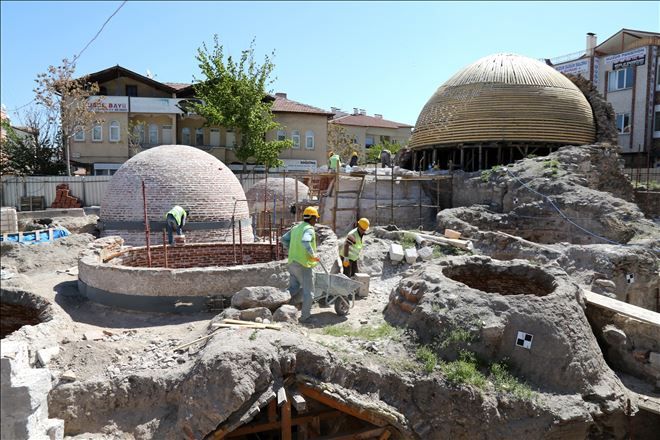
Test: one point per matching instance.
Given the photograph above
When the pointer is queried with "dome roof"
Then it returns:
(283, 193)
(175, 175)
(505, 97)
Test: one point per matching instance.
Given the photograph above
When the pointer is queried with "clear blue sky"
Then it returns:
(385, 57)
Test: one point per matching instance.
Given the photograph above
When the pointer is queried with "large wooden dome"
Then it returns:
(505, 98)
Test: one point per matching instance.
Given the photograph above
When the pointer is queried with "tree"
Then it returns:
(66, 101)
(373, 154)
(233, 95)
(135, 136)
(343, 144)
(36, 149)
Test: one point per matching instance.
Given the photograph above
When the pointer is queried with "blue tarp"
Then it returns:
(36, 236)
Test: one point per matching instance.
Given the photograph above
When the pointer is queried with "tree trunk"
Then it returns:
(67, 146)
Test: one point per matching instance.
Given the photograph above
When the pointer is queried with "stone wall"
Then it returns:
(649, 203)
(629, 345)
(604, 116)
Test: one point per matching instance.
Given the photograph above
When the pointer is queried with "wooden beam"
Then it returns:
(351, 410)
(281, 396)
(286, 421)
(370, 433)
(299, 402)
(272, 411)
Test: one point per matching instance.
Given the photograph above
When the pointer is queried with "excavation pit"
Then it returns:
(18, 309)
(503, 280)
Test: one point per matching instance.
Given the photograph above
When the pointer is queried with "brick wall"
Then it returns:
(201, 255)
(175, 175)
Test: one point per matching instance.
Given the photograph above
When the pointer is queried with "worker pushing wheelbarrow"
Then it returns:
(302, 258)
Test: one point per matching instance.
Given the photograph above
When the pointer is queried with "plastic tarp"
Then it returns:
(41, 236)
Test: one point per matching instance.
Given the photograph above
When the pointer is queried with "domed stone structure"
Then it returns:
(279, 192)
(175, 175)
(501, 108)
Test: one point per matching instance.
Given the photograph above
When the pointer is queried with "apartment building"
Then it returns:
(136, 112)
(368, 130)
(625, 70)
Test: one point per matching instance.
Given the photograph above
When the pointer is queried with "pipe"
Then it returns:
(146, 224)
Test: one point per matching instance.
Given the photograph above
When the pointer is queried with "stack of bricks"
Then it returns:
(63, 199)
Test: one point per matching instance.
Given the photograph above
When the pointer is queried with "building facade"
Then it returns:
(626, 71)
(368, 131)
(136, 113)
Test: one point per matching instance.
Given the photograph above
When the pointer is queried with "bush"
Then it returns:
(427, 357)
(505, 382)
(464, 371)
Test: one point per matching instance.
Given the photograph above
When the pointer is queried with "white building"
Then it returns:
(625, 70)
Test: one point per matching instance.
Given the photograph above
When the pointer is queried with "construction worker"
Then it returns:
(350, 252)
(176, 220)
(334, 161)
(385, 158)
(301, 243)
(354, 160)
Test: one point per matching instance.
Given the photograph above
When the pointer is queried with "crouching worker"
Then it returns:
(350, 251)
(301, 243)
(176, 220)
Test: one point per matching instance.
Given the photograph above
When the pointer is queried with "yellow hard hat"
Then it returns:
(330, 153)
(364, 223)
(311, 211)
(355, 153)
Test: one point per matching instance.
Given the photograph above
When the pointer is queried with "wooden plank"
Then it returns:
(299, 402)
(281, 396)
(359, 413)
(286, 421)
(272, 411)
(644, 315)
(370, 433)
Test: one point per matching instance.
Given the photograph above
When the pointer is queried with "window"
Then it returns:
(103, 91)
(368, 141)
(97, 133)
(131, 90)
(656, 122)
(80, 135)
(295, 137)
(153, 134)
(214, 137)
(620, 79)
(185, 136)
(231, 139)
(309, 139)
(138, 132)
(281, 135)
(657, 74)
(114, 131)
(623, 123)
(199, 136)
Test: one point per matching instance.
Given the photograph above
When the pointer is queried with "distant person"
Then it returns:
(354, 160)
(334, 161)
(176, 220)
(385, 158)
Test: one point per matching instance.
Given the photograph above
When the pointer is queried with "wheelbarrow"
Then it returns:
(336, 289)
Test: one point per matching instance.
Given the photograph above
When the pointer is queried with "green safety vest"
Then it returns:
(178, 214)
(297, 251)
(354, 249)
(334, 162)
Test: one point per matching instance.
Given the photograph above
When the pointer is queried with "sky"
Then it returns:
(384, 57)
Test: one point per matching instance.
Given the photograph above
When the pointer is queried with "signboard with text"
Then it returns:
(579, 67)
(635, 57)
(108, 104)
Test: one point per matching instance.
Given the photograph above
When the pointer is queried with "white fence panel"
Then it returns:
(90, 189)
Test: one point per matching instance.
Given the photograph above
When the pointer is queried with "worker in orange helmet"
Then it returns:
(350, 252)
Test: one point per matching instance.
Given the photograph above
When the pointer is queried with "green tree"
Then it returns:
(65, 100)
(342, 143)
(373, 153)
(233, 95)
(35, 150)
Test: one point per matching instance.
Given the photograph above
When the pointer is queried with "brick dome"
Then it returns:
(283, 193)
(505, 98)
(175, 175)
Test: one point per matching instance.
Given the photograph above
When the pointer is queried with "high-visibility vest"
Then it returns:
(178, 213)
(297, 252)
(354, 249)
(334, 162)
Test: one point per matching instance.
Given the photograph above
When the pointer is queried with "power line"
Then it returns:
(99, 31)
(83, 49)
